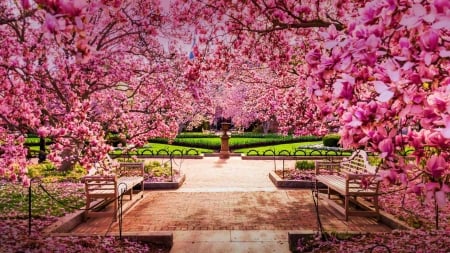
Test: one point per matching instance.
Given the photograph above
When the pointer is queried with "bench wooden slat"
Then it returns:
(110, 187)
(352, 177)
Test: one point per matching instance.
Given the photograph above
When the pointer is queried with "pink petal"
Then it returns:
(410, 22)
(427, 59)
(441, 198)
(443, 24)
(446, 132)
(380, 86)
(419, 10)
(330, 44)
(394, 75)
(444, 53)
(385, 96)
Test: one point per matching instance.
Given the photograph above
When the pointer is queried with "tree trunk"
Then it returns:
(42, 153)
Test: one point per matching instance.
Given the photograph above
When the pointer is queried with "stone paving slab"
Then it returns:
(231, 241)
(229, 206)
(277, 210)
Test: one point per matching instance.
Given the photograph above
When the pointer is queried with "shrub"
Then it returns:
(157, 169)
(305, 165)
(374, 160)
(48, 172)
(41, 170)
(130, 160)
(331, 140)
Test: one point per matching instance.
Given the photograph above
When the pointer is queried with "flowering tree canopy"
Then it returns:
(379, 70)
(75, 71)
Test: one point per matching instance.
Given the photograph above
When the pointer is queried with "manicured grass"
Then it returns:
(277, 148)
(236, 141)
(59, 199)
(285, 149)
(35, 140)
(158, 147)
(233, 141)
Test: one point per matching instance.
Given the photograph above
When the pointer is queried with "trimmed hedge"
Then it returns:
(331, 140)
(236, 141)
(305, 165)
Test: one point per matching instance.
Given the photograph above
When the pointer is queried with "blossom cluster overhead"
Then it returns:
(77, 71)
(378, 71)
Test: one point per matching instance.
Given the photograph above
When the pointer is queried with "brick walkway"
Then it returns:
(231, 194)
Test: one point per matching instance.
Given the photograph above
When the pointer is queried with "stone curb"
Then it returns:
(157, 237)
(299, 158)
(165, 185)
(282, 183)
(160, 156)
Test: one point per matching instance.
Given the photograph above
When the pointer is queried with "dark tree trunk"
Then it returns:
(42, 153)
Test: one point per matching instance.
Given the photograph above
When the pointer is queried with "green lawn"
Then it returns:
(277, 148)
(233, 141)
(236, 141)
(157, 147)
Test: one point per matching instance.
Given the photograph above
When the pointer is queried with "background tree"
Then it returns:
(380, 68)
(76, 71)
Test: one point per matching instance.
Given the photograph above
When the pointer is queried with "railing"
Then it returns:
(307, 153)
(158, 152)
(300, 152)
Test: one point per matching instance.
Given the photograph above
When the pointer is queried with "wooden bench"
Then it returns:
(108, 188)
(351, 178)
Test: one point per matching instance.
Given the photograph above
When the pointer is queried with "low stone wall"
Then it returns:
(284, 183)
(165, 185)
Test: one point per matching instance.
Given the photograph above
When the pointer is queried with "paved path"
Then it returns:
(232, 205)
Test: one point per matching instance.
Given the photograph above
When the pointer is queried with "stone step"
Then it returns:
(216, 241)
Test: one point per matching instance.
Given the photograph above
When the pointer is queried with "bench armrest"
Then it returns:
(130, 170)
(328, 167)
(99, 178)
(349, 175)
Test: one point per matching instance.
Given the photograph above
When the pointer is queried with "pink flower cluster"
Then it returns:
(377, 70)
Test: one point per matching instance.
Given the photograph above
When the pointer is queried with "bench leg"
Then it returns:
(346, 200)
(88, 206)
(116, 207)
(377, 210)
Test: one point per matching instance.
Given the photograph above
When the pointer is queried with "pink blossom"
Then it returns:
(313, 57)
(25, 4)
(51, 23)
(429, 40)
(435, 139)
(413, 20)
(441, 5)
(446, 131)
(416, 189)
(441, 196)
(370, 12)
(436, 166)
(389, 176)
(438, 101)
(385, 92)
(72, 8)
(386, 147)
(343, 89)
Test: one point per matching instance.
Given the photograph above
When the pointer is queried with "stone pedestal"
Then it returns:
(224, 146)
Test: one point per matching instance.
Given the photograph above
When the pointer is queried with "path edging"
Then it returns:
(283, 183)
(165, 185)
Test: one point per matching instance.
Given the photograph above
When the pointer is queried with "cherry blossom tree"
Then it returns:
(380, 69)
(76, 71)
